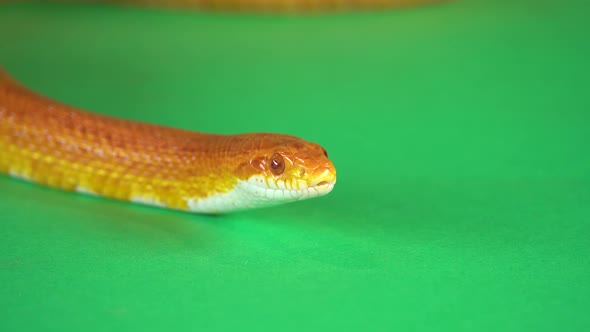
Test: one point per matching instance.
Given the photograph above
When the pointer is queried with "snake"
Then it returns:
(54, 144)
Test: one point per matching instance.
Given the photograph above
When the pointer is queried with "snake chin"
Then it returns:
(251, 193)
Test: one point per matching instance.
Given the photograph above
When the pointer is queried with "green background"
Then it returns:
(460, 133)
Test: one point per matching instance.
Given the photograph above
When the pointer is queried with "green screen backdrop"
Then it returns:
(461, 136)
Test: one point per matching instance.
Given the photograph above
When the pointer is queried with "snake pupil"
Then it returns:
(277, 164)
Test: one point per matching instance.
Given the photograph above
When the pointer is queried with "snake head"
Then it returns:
(284, 168)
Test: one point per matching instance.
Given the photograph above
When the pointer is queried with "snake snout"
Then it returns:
(323, 176)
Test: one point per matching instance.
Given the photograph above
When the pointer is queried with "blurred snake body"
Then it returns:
(60, 146)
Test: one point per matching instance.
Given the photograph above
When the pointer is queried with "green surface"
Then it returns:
(460, 133)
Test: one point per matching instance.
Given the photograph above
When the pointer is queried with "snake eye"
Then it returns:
(277, 164)
(325, 153)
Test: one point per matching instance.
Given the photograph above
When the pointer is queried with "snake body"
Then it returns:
(60, 146)
(267, 5)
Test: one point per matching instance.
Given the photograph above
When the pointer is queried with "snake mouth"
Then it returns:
(322, 184)
(323, 177)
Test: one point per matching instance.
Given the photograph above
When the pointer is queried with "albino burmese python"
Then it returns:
(56, 145)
